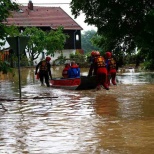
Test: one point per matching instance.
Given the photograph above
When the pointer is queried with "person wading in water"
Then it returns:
(44, 71)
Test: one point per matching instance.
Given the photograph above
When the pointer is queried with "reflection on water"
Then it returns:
(118, 121)
(132, 77)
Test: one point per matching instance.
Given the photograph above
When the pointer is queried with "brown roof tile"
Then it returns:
(43, 17)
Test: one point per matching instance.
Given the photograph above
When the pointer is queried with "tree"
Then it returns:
(5, 7)
(87, 44)
(40, 40)
(123, 25)
(36, 42)
(55, 41)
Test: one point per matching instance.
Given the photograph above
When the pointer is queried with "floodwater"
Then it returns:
(57, 121)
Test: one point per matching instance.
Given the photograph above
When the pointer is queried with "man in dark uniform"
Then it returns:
(44, 71)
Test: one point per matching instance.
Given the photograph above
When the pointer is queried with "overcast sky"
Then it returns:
(65, 6)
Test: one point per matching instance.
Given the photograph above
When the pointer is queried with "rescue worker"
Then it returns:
(111, 68)
(65, 70)
(74, 70)
(44, 71)
(101, 73)
(92, 70)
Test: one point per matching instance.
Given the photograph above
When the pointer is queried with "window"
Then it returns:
(77, 37)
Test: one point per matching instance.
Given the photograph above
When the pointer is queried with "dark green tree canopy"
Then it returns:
(119, 21)
(6, 6)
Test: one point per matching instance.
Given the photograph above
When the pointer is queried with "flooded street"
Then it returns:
(58, 121)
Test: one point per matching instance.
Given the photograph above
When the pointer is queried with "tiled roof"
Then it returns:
(43, 17)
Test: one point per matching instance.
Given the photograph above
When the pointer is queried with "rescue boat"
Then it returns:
(82, 83)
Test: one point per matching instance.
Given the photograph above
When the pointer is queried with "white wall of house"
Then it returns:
(66, 53)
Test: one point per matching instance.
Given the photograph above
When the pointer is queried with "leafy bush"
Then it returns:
(149, 65)
(5, 67)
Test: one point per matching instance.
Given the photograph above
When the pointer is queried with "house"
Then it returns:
(47, 18)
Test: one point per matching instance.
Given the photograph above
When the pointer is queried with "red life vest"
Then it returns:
(65, 71)
(74, 66)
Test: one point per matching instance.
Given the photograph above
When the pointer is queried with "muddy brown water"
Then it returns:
(118, 121)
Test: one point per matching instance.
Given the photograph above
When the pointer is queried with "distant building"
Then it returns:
(47, 18)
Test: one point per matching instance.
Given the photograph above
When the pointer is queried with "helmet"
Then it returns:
(97, 53)
(67, 65)
(108, 54)
(93, 53)
(48, 59)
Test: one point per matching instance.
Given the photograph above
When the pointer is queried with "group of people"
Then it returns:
(104, 67)
(71, 70)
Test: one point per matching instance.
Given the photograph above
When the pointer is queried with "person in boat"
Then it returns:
(65, 70)
(44, 71)
(111, 68)
(74, 70)
(92, 69)
(101, 71)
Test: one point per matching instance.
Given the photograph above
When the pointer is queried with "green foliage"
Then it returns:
(36, 42)
(149, 65)
(79, 58)
(40, 40)
(122, 25)
(23, 60)
(6, 6)
(61, 56)
(55, 41)
(12, 31)
(5, 67)
(87, 44)
(117, 21)
(60, 60)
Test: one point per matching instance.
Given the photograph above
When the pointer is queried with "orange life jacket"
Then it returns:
(112, 63)
(44, 66)
(100, 61)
